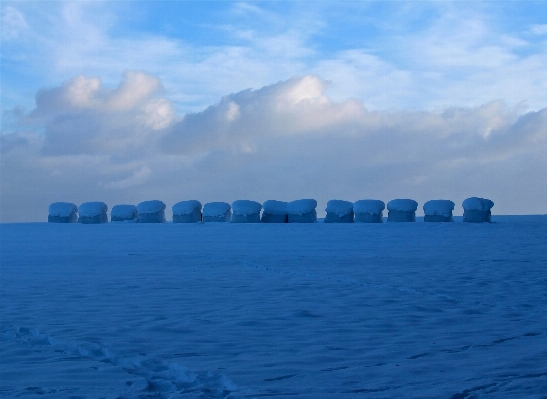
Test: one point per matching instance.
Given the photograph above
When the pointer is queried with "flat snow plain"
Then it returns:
(219, 310)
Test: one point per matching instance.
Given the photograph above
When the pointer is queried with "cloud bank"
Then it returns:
(288, 140)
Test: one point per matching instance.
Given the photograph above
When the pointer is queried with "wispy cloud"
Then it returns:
(454, 54)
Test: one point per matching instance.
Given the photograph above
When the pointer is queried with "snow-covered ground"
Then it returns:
(392, 310)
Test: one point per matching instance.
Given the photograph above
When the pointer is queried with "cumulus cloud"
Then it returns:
(283, 141)
(299, 107)
(83, 117)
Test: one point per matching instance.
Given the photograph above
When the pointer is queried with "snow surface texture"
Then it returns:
(369, 211)
(123, 213)
(339, 211)
(477, 210)
(217, 212)
(245, 211)
(63, 212)
(186, 207)
(274, 207)
(92, 208)
(439, 207)
(403, 205)
(187, 212)
(151, 212)
(402, 210)
(438, 211)
(93, 213)
(477, 204)
(374, 207)
(302, 211)
(150, 207)
(275, 212)
(246, 207)
(392, 310)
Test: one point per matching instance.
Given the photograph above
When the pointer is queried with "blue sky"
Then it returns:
(369, 65)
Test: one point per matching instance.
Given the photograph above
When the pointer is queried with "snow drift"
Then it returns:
(245, 211)
(401, 210)
(93, 213)
(339, 211)
(302, 211)
(124, 213)
(187, 211)
(369, 211)
(151, 212)
(438, 211)
(62, 212)
(217, 212)
(275, 212)
(477, 210)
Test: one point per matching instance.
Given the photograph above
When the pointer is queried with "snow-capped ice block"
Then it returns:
(438, 211)
(339, 211)
(217, 212)
(124, 213)
(187, 212)
(401, 210)
(369, 211)
(62, 212)
(477, 210)
(274, 212)
(245, 211)
(93, 213)
(151, 212)
(302, 211)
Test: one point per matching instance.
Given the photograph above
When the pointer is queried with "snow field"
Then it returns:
(221, 310)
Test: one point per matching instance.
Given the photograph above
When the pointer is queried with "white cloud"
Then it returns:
(462, 57)
(13, 23)
(285, 141)
(83, 117)
(539, 29)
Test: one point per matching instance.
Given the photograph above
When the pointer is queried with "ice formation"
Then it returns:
(187, 212)
(93, 213)
(477, 210)
(401, 210)
(369, 211)
(151, 212)
(245, 211)
(438, 211)
(339, 211)
(217, 212)
(123, 213)
(302, 211)
(62, 212)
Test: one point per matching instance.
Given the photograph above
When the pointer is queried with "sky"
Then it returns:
(127, 101)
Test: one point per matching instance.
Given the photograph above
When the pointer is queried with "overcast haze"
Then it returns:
(128, 101)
